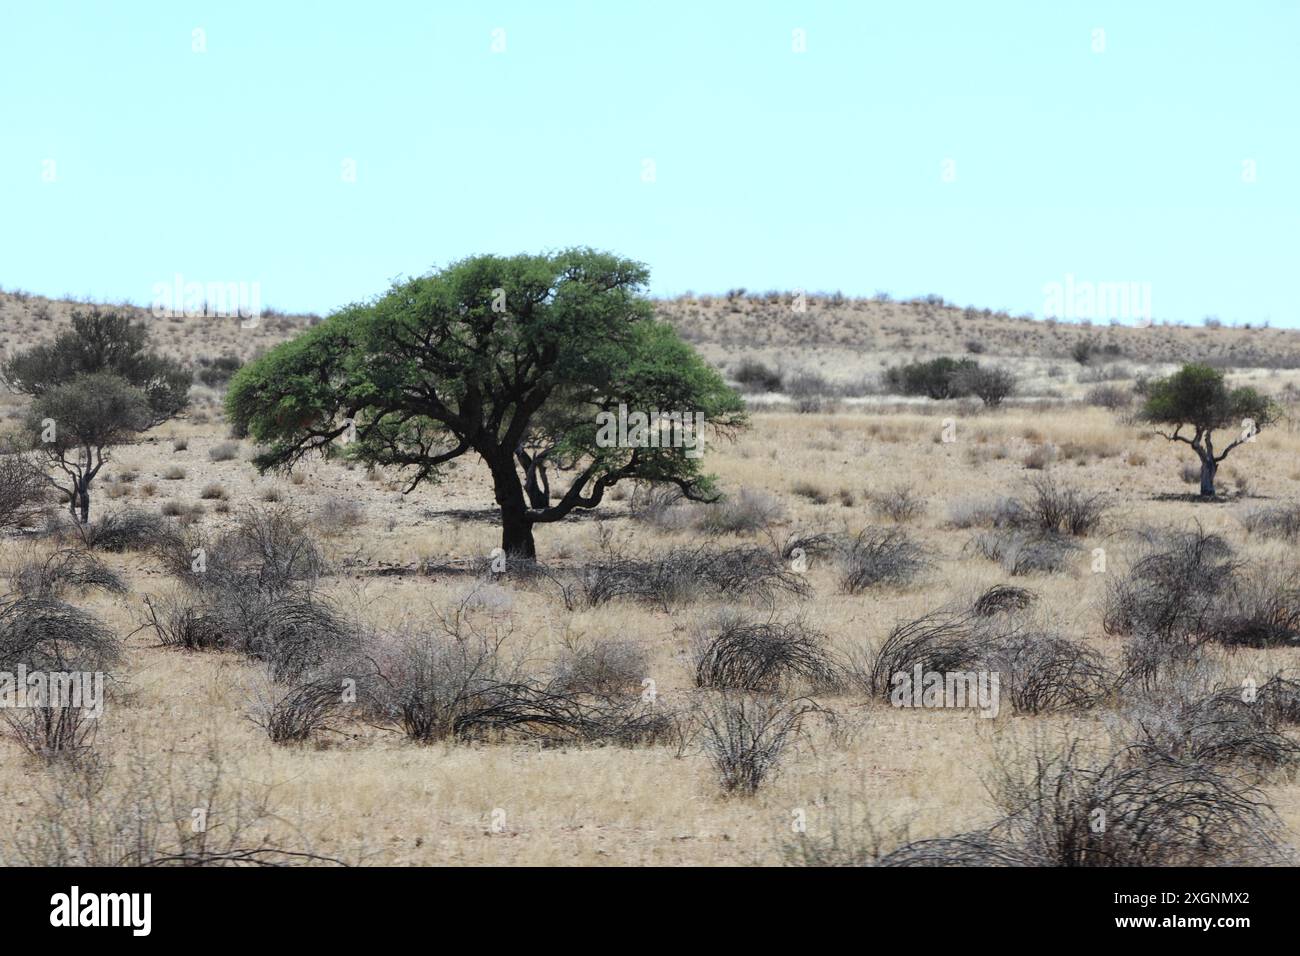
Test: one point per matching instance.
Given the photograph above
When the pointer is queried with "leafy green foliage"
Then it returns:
(1196, 397)
(103, 342)
(938, 378)
(512, 358)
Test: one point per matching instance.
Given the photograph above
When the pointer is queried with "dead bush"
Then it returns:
(601, 667)
(899, 504)
(141, 811)
(293, 712)
(1046, 673)
(182, 624)
(684, 574)
(1003, 599)
(733, 652)
(1001, 512)
(1054, 508)
(1134, 807)
(1261, 608)
(1219, 729)
(22, 491)
(941, 641)
(1173, 587)
(1278, 521)
(878, 557)
(746, 736)
(1021, 553)
(49, 635)
(130, 530)
(746, 512)
(63, 569)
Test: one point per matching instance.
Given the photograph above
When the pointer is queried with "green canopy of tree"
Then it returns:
(517, 359)
(103, 342)
(1194, 402)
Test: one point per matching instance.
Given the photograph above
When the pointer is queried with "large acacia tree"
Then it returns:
(513, 359)
(1195, 402)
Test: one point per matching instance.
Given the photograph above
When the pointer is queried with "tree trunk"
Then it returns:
(1208, 469)
(516, 525)
(517, 534)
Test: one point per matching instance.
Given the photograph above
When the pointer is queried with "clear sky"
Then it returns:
(980, 151)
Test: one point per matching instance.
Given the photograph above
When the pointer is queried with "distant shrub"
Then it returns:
(219, 371)
(606, 667)
(1026, 552)
(1279, 521)
(899, 504)
(937, 378)
(745, 512)
(1108, 396)
(226, 451)
(754, 376)
(1054, 507)
(992, 386)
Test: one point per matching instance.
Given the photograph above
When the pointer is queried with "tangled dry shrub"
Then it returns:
(1134, 807)
(46, 635)
(294, 711)
(1067, 805)
(1260, 609)
(1038, 671)
(1227, 727)
(604, 667)
(1056, 508)
(1274, 521)
(63, 569)
(183, 624)
(746, 512)
(746, 736)
(1003, 599)
(942, 641)
(23, 490)
(1173, 587)
(1046, 673)
(734, 652)
(876, 557)
(686, 574)
(451, 679)
(900, 504)
(1191, 586)
(1020, 553)
(131, 529)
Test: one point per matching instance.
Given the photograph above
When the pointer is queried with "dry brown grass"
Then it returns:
(367, 793)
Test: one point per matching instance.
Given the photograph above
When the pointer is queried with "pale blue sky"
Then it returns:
(821, 170)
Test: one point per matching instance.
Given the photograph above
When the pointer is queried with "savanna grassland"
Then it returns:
(865, 511)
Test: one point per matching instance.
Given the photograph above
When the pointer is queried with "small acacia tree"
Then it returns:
(93, 387)
(1196, 400)
(520, 360)
(75, 424)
